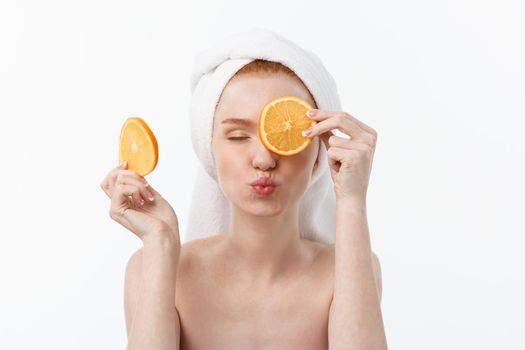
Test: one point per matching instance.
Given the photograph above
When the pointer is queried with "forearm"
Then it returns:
(156, 322)
(355, 316)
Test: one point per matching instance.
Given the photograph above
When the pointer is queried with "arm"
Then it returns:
(377, 274)
(152, 322)
(355, 320)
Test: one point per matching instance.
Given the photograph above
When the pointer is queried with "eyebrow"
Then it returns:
(238, 121)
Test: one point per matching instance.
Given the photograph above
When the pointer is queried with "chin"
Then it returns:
(261, 207)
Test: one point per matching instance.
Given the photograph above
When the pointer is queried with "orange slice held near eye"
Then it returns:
(280, 125)
(138, 146)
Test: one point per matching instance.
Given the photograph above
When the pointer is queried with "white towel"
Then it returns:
(210, 209)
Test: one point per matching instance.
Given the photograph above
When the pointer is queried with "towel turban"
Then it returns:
(210, 210)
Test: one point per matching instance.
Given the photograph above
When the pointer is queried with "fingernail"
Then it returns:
(312, 112)
(150, 195)
(307, 132)
(151, 199)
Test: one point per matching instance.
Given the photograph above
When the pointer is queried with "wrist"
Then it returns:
(355, 201)
(163, 238)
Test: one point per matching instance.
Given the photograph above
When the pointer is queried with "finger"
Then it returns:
(109, 180)
(140, 180)
(360, 123)
(349, 125)
(121, 169)
(145, 193)
(132, 173)
(344, 124)
(112, 178)
(340, 155)
(332, 162)
(341, 142)
(335, 122)
(137, 199)
(150, 190)
(124, 172)
(104, 186)
(123, 190)
(322, 114)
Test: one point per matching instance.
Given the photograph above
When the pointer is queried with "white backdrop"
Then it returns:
(442, 82)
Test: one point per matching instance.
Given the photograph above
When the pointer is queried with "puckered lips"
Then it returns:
(264, 186)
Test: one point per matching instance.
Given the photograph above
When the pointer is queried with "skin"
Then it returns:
(264, 235)
(259, 285)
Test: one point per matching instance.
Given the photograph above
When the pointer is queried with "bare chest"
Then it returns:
(220, 313)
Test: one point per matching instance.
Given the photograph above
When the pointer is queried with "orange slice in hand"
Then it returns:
(138, 146)
(280, 125)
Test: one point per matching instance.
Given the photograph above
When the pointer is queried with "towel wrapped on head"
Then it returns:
(210, 210)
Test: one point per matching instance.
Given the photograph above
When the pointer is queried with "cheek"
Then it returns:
(307, 158)
(300, 167)
(297, 170)
(225, 164)
(230, 166)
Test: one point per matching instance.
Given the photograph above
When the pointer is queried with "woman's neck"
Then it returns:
(264, 247)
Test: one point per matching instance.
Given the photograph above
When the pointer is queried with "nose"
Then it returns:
(263, 158)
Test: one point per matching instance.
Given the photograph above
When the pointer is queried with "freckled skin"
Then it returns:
(257, 285)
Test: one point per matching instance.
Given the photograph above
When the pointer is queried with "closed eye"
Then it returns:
(237, 138)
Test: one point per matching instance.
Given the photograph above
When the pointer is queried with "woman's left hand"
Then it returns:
(350, 160)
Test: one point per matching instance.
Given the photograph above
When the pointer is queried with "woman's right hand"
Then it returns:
(131, 207)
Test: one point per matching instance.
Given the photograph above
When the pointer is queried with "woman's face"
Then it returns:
(243, 160)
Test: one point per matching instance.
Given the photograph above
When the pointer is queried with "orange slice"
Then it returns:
(138, 146)
(280, 125)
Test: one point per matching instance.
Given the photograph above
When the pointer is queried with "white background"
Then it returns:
(443, 83)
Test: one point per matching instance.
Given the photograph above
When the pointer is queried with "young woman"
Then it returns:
(258, 284)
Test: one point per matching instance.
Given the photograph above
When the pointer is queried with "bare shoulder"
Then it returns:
(324, 252)
(193, 253)
(200, 246)
(323, 256)
(204, 241)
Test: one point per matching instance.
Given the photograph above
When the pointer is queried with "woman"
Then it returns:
(263, 280)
